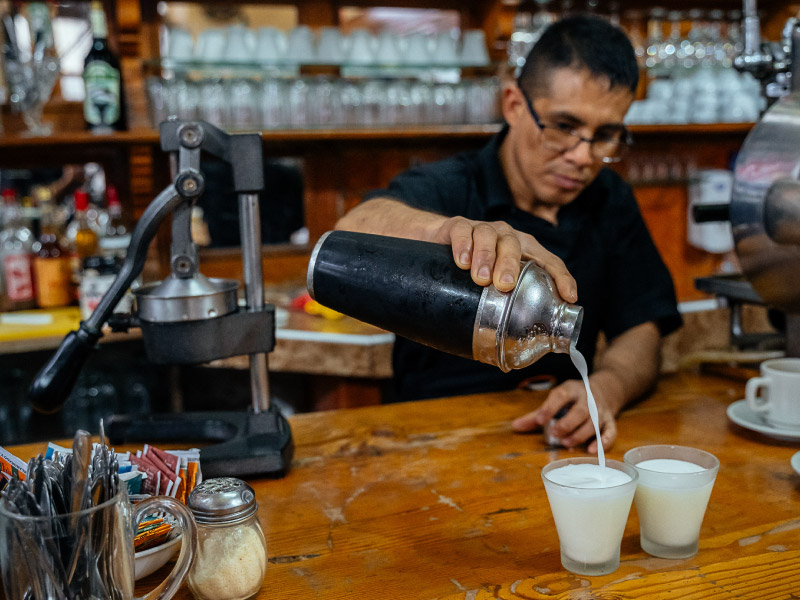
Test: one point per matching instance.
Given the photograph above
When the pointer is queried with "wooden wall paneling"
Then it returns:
(284, 265)
(664, 204)
(317, 13)
(142, 189)
(128, 27)
(158, 259)
(774, 19)
(665, 211)
(323, 172)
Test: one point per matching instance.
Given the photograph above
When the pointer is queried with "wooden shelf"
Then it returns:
(692, 129)
(150, 136)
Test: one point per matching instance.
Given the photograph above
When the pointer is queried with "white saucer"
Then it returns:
(740, 413)
(796, 462)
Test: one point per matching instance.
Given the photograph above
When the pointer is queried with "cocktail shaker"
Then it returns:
(416, 290)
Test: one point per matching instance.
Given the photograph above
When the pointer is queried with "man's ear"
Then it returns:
(512, 103)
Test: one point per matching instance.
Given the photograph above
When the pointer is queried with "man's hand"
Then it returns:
(493, 251)
(625, 371)
(576, 426)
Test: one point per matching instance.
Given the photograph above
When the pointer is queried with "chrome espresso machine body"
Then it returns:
(191, 319)
(765, 204)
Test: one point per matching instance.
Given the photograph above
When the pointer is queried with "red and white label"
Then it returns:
(19, 281)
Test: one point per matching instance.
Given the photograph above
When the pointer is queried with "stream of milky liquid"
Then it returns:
(580, 363)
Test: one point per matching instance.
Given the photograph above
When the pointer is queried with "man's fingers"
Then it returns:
(554, 266)
(608, 435)
(580, 435)
(492, 252)
(461, 242)
(526, 422)
(484, 244)
(506, 266)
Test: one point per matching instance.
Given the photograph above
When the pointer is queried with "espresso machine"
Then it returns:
(764, 211)
(191, 319)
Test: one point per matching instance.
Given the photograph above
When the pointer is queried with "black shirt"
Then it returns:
(601, 237)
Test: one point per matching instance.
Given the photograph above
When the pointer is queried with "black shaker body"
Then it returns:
(410, 287)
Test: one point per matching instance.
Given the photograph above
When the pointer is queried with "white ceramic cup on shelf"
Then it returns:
(241, 44)
(775, 395)
(211, 45)
(388, 50)
(180, 44)
(330, 49)
(417, 51)
(270, 45)
(360, 48)
(300, 46)
(473, 49)
(445, 50)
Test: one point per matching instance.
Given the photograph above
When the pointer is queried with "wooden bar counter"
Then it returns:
(439, 499)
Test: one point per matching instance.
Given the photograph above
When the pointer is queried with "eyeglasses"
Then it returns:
(608, 145)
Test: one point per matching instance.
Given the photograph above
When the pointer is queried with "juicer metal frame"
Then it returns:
(190, 319)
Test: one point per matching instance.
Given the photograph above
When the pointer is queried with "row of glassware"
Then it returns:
(704, 95)
(328, 46)
(304, 102)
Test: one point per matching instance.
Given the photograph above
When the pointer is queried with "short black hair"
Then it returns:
(580, 42)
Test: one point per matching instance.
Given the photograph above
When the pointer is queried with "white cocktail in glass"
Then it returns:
(675, 485)
(590, 507)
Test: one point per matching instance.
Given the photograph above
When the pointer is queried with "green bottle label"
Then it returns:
(102, 104)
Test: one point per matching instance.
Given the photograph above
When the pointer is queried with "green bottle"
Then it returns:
(103, 107)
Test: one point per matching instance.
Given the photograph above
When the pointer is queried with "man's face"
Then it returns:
(578, 100)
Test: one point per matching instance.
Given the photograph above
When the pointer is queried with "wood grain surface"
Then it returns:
(439, 499)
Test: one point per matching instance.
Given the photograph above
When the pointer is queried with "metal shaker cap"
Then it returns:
(222, 500)
(514, 329)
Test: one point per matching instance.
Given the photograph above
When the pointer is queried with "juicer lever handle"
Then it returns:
(57, 377)
(54, 382)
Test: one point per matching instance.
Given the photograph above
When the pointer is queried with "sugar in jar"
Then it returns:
(231, 558)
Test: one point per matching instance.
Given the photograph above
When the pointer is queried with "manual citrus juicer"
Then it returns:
(189, 318)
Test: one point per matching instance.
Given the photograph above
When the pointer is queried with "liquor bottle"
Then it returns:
(16, 244)
(85, 240)
(82, 239)
(117, 237)
(103, 106)
(51, 266)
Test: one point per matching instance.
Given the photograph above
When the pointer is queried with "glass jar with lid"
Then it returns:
(231, 558)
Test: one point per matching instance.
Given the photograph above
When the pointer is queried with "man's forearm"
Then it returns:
(630, 366)
(385, 216)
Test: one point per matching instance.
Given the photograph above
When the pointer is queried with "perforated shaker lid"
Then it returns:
(222, 500)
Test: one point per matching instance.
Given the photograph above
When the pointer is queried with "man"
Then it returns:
(539, 191)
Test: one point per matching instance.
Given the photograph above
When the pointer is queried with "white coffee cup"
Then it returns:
(180, 44)
(211, 44)
(388, 50)
(473, 49)
(270, 45)
(330, 49)
(360, 47)
(776, 394)
(241, 44)
(300, 44)
(417, 52)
